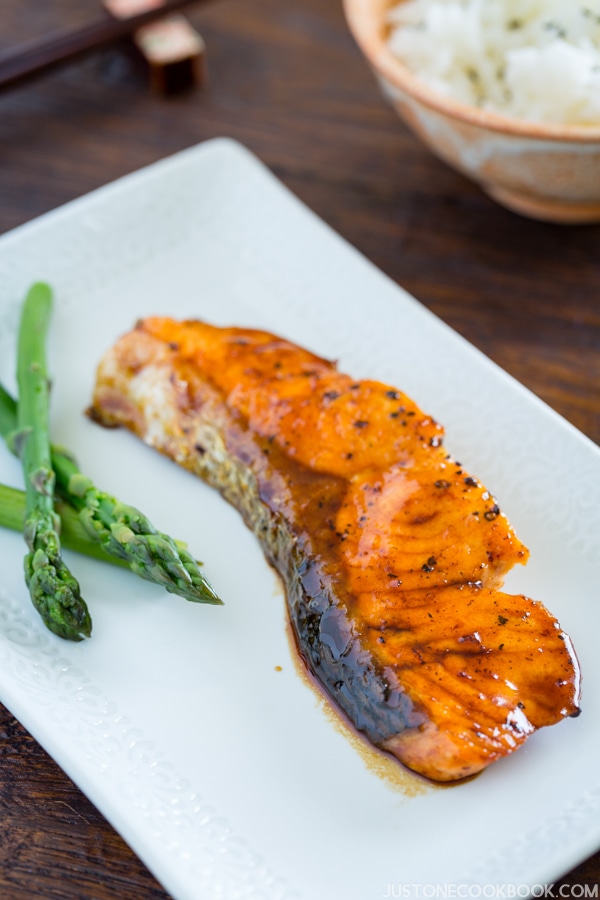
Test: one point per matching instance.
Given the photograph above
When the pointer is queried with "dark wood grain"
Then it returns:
(286, 79)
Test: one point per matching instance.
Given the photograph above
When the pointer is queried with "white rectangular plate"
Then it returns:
(191, 727)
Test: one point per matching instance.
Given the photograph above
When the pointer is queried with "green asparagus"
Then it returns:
(126, 533)
(73, 535)
(122, 531)
(8, 417)
(54, 591)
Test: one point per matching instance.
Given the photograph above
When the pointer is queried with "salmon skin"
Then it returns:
(392, 555)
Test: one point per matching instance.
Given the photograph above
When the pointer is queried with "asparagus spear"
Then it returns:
(54, 591)
(8, 418)
(122, 531)
(126, 533)
(73, 536)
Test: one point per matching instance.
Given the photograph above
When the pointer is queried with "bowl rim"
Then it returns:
(370, 40)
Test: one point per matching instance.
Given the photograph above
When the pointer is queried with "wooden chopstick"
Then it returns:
(32, 59)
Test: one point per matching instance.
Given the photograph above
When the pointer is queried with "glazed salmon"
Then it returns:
(392, 555)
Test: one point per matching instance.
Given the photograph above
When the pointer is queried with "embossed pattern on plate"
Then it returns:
(189, 727)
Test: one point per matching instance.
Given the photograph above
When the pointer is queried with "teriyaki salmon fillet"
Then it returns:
(392, 555)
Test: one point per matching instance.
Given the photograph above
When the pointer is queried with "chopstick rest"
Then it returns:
(174, 51)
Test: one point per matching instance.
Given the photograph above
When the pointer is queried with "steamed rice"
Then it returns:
(537, 60)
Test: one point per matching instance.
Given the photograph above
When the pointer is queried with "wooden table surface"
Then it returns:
(286, 79)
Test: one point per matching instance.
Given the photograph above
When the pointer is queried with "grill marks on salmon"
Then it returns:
(393, 556)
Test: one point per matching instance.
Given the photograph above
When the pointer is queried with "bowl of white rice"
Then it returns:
(505, 91)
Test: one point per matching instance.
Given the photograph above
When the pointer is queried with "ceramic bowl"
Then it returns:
(549, 172)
